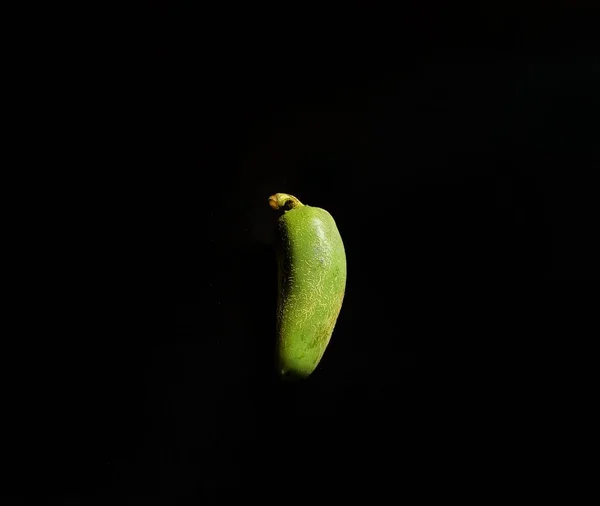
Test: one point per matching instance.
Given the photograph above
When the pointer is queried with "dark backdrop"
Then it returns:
(456, 150)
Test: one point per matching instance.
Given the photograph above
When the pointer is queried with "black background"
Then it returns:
(456, 150)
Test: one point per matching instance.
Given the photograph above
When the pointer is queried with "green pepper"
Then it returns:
(311, 263)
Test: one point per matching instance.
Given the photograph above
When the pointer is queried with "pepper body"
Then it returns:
(311, 283)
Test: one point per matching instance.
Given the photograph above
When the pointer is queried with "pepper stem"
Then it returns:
(279, 200)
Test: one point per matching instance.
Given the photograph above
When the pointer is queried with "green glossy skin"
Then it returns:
(311, 283)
